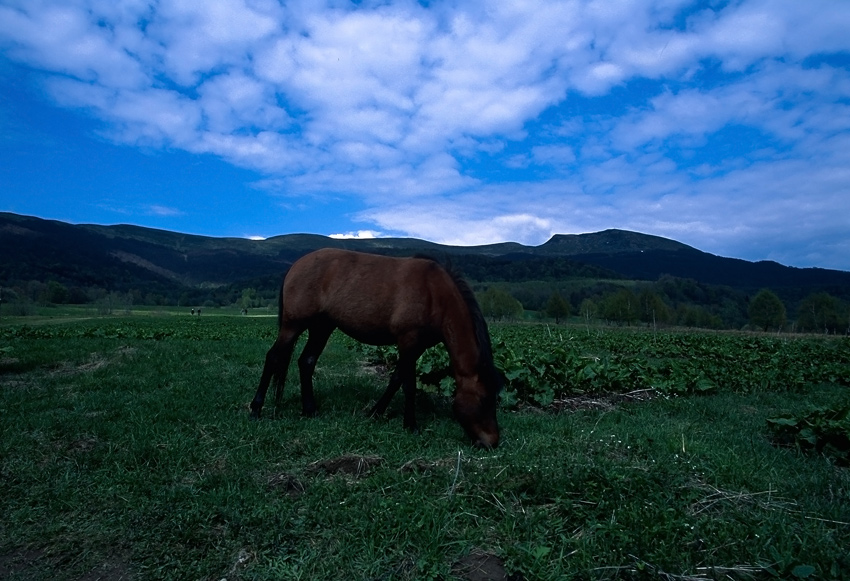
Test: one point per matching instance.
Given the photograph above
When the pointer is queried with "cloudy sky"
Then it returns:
(721, 124)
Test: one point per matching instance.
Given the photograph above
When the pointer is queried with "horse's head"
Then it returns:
(475, 410)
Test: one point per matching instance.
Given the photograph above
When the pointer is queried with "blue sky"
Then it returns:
(724, 125)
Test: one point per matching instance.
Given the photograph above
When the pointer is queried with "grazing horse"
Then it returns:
(414, 303)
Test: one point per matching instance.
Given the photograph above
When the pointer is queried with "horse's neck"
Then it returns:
(461, 343)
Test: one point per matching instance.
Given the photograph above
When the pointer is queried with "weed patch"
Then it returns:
(823, 431)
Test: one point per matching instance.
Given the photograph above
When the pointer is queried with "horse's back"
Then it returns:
(376, 297)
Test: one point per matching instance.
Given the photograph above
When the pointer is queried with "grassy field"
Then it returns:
(126, 453)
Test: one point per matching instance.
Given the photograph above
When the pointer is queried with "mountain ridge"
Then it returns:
(121, 256)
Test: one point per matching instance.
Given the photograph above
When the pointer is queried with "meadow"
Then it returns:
(126, 453)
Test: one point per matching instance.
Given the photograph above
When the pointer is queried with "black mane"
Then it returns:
(486, 367)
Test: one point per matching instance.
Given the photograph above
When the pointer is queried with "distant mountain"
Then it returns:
(608, 242)
(124, 257)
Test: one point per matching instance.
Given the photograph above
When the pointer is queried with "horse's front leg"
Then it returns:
(384, 401)
(403, 376)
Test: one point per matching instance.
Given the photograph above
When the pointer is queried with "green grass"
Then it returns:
(127, 453)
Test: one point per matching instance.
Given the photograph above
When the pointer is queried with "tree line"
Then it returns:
(22, 298)
(652, 305)
(669, 301)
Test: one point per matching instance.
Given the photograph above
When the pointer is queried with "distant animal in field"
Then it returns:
(414, 303)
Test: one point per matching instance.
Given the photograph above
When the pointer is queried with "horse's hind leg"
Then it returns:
(408, 385)
(276, 365)
(318, 337)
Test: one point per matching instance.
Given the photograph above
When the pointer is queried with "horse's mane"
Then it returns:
(482, 335)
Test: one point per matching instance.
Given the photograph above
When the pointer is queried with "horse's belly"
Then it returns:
(369, 336)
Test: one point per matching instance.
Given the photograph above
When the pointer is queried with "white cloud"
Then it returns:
(159, 210)
(359, 235)
(199, 37)
(68, 40)
(559, 155)
(235, 101)
(600, 113)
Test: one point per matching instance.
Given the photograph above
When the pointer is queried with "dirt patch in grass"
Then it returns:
(96, 361)
(67, 369)
(83, 445)
(483, 566)
(350, 465)
(287, 483)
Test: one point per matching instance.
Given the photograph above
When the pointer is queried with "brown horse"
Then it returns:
(414, 303)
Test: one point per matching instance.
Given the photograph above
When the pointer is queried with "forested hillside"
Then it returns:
(617, 276)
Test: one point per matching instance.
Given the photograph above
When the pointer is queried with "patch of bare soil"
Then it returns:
(287, 483)
(349, 464)
(483, 566)
(83, 445)
(96, 361)
(602, 401)
(66, 369)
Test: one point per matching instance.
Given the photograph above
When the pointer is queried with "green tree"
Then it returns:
(766, 311)
(653, 310)
(697, 316)
(54, 293)
(249, 299)
(821, 312)
(113, 302)
(557, 307)
(499, 304)
(620, 307)
(587, 310)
